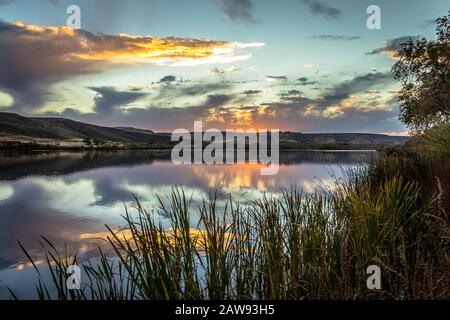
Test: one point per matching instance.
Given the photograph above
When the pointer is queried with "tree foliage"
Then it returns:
(424, 69)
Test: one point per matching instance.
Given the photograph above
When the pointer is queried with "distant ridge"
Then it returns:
(342, 138)
(14, 125)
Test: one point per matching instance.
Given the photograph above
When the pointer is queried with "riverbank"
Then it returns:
(35, 144)
(41, 144)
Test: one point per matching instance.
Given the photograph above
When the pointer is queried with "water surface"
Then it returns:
(68, 197)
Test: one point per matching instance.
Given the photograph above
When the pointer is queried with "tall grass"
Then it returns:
(295, 246)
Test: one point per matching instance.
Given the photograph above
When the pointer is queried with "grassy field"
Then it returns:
(392, 213)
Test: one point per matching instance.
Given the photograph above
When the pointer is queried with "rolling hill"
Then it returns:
(341, 138)
(59, 129)
(25, 129)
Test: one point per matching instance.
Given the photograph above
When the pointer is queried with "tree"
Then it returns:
(424, 69)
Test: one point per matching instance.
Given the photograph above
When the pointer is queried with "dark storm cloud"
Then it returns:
(108, 99)
(237, 10)
(332, 37)
(321, 9)
(392, 46)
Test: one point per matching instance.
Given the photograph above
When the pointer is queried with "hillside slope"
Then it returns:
(341, 138)
(58, 128)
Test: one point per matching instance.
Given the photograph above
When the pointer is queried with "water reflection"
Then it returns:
(69, 196)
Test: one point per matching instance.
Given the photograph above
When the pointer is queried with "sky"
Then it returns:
(299, 65)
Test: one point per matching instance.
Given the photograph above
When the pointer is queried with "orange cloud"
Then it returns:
(80, 44)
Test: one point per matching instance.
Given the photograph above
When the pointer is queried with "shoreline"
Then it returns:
(169, 149)
(17, 146)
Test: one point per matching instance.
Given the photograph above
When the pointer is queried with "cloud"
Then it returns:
(6, 100)
(405, 133)
(392, 46)
(185, 89)
(337, 110)
(33, 57)
(345, 107)
(6, 2)
(159, 118)
(291, 95)
(332, 37)
(275, 78)
(168, 79)
(361, 83)
(252, 92)
(428, 23)
(321, 9)
(109, 99)
(166, 92)
(222, 71)
(304, 81)
(237, 10)
(217, 100)
(304, 115)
